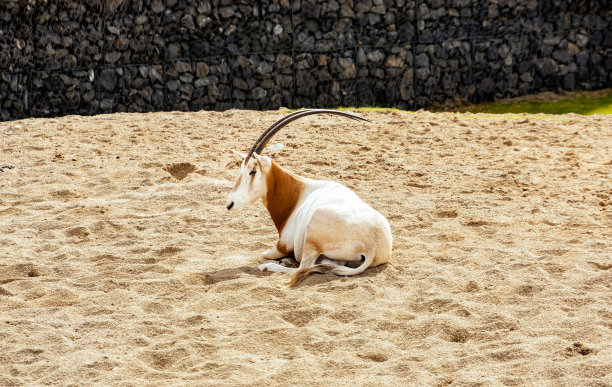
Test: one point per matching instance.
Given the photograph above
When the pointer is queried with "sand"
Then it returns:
(119, 264)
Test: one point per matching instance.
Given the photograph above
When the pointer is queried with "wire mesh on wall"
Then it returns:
(101, 56)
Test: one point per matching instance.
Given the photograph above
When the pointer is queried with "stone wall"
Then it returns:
(92, 56)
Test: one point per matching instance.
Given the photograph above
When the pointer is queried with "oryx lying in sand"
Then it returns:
(326, 225)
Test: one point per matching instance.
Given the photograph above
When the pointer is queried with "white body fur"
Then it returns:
(332, 221)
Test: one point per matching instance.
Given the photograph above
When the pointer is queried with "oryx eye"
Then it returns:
(252, 172)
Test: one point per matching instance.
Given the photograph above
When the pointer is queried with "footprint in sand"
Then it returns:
(78, 232)
(179, 170)
(301, 317)
(578, 349)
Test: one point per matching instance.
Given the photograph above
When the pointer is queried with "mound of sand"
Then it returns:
(120, 265)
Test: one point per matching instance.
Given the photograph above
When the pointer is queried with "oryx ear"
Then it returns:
(241, 155)
(264, 161)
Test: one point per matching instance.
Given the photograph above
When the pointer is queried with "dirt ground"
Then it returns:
(119, 264)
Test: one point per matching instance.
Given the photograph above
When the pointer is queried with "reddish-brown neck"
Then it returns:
(284, 192)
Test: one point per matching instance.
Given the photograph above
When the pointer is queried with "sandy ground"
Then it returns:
(119, 264)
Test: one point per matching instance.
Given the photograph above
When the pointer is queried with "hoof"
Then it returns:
(263, 267)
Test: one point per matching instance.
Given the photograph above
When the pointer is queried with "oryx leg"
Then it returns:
(328, 261)
(274, 253)
(271, 255)
(309, 256)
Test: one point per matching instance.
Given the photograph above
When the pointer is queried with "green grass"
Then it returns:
(582, 102)
(585, 103)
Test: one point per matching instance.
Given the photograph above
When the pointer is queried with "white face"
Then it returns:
(251, 184)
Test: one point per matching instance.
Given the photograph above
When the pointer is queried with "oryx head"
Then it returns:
(251, 184)
(252, 181)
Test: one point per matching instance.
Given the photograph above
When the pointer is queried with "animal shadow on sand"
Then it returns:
(221, 275)
(317, 278)
(233, 273)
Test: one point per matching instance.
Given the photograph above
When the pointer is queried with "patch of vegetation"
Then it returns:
(580, 102)
(586, 103)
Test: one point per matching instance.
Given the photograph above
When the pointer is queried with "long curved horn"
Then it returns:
(265, 133)
(271, 131)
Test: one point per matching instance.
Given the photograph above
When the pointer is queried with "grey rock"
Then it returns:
(324, 45)
(582, 40)
(283, 61)
(361, 57)
(67, 41)
(526, 77)
(67, 80)
(213, 91)
(363, 6)
(240, 83)
(422, 73)
(503, 50)
(155, 75)
(347, 66)
(173, 50)
(551, 41)
(284, 81)
(406, 86)
(186, 78)
(226, 12)
(267, 83)
(438, 13)
(203, 21)
(561, 56)
(309, 43)
(183, 67)
(106, 105)
(238, 94)
(265, 68)
(548, 67)
(157, 6)
(424, 13)
(373, 19)
(257, 93)
(108, 79)
(203, 7)
(113, 30)
(187, 22)
(375, 56)
(173, 85)
(305, 82)
(88, 96)
(202, 69)
(377, 73)
(331, 6)
(112, 57)
(141, 19)
(582, 58)
(447, 82)
(379, 9)
(393, 61)
(347, 12)
(207, 81)
(421, 60)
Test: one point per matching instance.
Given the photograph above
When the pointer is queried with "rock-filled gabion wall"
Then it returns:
(100, 56)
